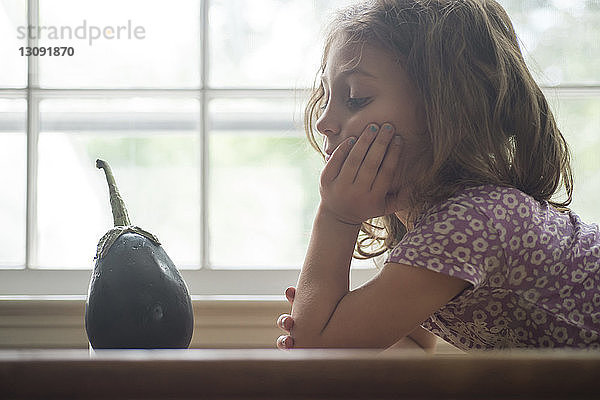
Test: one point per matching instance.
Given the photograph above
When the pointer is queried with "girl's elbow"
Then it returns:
(306, 340)
(309, 338)
(307, 333)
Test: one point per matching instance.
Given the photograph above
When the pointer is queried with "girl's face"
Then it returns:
(375, 89)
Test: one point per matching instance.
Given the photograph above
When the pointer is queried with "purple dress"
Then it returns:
(534, 271)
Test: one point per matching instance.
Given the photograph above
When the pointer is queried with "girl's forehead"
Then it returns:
(363, 58)
(344, 57)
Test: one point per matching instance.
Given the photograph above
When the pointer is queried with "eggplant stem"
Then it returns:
(116, 201)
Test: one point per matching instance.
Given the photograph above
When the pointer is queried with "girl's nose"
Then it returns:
(327, 124)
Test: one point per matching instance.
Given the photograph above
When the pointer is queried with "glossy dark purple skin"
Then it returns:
(138, 299)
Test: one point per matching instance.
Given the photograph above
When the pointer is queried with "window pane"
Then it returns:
(560, 39)
(263, 184)
(579, 121)
(13, 25)
(152, 146)
(140, 43)
(266, 43)
(13, 178)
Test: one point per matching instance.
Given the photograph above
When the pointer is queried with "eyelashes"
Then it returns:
(356, 103)
(353, 103)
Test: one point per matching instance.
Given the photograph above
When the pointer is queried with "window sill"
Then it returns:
(219, 321)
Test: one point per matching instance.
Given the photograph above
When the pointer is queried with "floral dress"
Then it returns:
(534, 270)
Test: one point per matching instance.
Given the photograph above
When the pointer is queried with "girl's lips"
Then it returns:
(329, 150)
(328, 153)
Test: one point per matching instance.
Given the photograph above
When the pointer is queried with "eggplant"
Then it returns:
(136, 298)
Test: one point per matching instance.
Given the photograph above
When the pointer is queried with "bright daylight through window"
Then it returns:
(198, 107)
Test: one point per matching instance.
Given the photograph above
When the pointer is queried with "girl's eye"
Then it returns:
(324, 102)
(355, 103)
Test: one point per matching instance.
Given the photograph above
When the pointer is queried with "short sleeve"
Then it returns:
(455, 238)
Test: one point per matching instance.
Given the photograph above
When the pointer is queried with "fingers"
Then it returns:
(376, 157)
(389, 166)
(290, 294)
(335, 163)
(359, 161)
(285, 322)
(285, 342)
(357, 154)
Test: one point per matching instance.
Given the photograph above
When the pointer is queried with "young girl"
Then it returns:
(443, 152)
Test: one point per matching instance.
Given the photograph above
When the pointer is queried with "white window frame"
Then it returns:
(29, 281)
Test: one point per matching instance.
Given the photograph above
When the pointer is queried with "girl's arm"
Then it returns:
(390, 306)
(324, 278)
(417, 339)
(407, 343)
(354, 187)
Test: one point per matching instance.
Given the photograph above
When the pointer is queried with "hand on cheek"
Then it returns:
(357, 178)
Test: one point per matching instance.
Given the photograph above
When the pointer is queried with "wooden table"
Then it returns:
(297, 374)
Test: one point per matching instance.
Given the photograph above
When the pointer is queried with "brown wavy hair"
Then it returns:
(487, 120)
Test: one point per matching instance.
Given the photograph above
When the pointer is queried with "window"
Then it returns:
(197, 106)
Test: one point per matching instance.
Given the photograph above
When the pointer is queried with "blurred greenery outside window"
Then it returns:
(201, 121)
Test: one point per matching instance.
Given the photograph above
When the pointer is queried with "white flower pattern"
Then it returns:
(535, 271)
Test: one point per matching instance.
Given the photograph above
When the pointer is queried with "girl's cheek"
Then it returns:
(356, 125)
